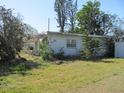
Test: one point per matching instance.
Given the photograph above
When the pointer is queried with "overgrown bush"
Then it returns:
(18, 67)
(12, 31)
(6, 52)
(111, 46)
(31, 48)
(60, 54)
(91, 46)
(45, 51)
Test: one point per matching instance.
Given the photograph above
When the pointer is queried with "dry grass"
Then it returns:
(68, 77)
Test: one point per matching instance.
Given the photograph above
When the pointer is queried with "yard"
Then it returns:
(101, 76)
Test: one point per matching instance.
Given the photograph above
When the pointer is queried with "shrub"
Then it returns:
(60, 54)
(19, 67)
(7, 53)
(91, 46)
(111, 47)
(31, 48)
(45, 51)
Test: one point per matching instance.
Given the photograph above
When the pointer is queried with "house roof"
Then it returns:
(31, 40)
(42, 36)
(34, 38)
(75, 34)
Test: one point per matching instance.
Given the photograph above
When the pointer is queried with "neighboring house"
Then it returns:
(33, 42)
(72, 43)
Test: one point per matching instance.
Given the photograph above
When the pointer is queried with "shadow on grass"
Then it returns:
(18, 66)
(95, 60)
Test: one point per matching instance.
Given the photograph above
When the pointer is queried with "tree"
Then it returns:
(29, 30)
(106, 22)
(11, 34)
(118, 30)
(86, 17)
(71, 14)
(90, 18)
(60, 8)
(91, 47)
(45, 51)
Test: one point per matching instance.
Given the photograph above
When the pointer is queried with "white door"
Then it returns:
(119, 49)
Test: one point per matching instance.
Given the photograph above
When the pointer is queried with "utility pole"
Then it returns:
(48, 24)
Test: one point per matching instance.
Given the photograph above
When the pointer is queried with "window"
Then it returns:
(71, 43)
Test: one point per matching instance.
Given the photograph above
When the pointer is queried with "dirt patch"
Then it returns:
(114, 84)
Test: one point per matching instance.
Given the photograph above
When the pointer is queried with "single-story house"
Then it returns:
(33, 41)
(72, 43)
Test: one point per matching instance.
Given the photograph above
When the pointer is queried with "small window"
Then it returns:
(71, 43)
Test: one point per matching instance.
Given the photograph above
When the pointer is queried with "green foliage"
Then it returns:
(92, 19)
(11, 34)
(6, 51)
(19, 68)
(60, 54)
(45, 51)
(70, 77)
(111, 47)
(86, 16)
(91, 47)
(31, 48)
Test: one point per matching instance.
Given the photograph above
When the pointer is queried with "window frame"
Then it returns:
(71, 43)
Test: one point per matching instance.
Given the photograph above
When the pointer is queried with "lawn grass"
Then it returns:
(51, 78)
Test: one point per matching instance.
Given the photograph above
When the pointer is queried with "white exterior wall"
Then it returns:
(119, 49)
(56, 42)
(27, 45)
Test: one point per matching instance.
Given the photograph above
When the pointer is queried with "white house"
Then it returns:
(33, 41)
(71, 43)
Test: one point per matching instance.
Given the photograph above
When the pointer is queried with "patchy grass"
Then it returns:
(18, 66)
(51, 78)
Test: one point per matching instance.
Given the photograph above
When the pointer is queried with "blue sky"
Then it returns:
(37, 12)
